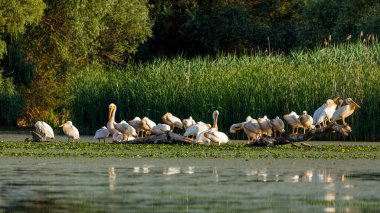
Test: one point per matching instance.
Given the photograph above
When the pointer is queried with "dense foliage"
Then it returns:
(47, 46)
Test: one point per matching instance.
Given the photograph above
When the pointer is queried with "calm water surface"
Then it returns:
(188, 185)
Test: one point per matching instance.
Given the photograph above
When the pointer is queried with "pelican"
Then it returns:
(306, 121)
(70, 130)
(249, 118)
(278, 126)
(147, 125)
(172, 121)
(327, 113)
(136, 123)
(265, 125)
(188, 122)
(160, 128)
(126, 129)
(196, 129)
(318, 113)
(44, 128)
(251, 129)
(213, 134)
(102, 133)
(293, 121)
(345, 111)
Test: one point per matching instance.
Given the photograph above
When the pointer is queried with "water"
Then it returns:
(188, 185)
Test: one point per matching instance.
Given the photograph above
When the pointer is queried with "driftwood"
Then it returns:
(164, 138)
(292, 139)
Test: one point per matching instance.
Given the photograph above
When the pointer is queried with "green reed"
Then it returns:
(237, 86)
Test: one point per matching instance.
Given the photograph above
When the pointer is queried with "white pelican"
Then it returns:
(102, 133)
(196, 129)
(251, 128)
(318, 113)
(70, 130)
(160, 128)
(345, 111)
(187, 122)
(293, 121)
(172, 121)
(213, 134)
(278, 126)
(249, 118)
(326, 114)
(265, 125)
(306, 121)
(44, 128)
(147, 125)
(136, 123)
(126, 129)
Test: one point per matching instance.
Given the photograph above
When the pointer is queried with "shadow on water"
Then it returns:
(195, 185)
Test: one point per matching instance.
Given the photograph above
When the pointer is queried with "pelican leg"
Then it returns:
(344, 122)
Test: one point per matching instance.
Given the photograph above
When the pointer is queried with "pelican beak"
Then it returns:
(61, 125)
(163, 118)
(335, 99)
(355, 104)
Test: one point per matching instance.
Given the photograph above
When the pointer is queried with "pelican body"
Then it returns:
(160, 128)
(213, 135)
(251, 128)
(44, 129)
(306, 121)
(293, 121)
(345, 111)
(147, 125)
(188, 122)
(265, 125)
(278, 126)
(196, 129)
(102, 133)
(172, 121)
(70, 130)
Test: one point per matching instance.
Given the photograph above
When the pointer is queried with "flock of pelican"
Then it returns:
(203, 133)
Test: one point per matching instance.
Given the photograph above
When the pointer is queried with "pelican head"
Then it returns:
(112, 109)
(352, 103)
(165, 117)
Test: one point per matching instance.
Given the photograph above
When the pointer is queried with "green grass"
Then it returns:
(255, 85)
(85, 149)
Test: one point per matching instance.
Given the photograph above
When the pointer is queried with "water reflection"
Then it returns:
(112, 178)
(176, 187)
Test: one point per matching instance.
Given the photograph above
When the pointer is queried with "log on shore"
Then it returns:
(164, 138)
(292, 139)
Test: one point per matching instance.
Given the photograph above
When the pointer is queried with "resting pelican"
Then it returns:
(345, 111)
(160, 128)
(126, 129)
(147, 125)
(327, 113)
(172, 121)
(265, 125)
(306, 121)
(293, 121)
(136, 123)
(196, 129)
(251, 128)
(70, 130)
(102, 133)
(188, 122)
(278, 126)
(44, 128)
(249, 118)
(119, 137)
(213, 134)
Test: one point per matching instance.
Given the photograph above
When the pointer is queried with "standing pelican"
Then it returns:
(319, 115)
(327, 113)
(172, 121)
(345, 111)
(188, 122)
(251, 128)
(293, 121)
(278, 126)
(160, 128)
(128, 131)
(265, 125)
(44, 128)
(102, 133)
(136, 123)
(70, 130)
(306, 121)
(147, 125)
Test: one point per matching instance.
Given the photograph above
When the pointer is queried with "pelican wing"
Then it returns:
(42, 126)
(102, 133)
(339, 113)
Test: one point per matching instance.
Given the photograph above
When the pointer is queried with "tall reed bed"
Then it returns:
(255, 85)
